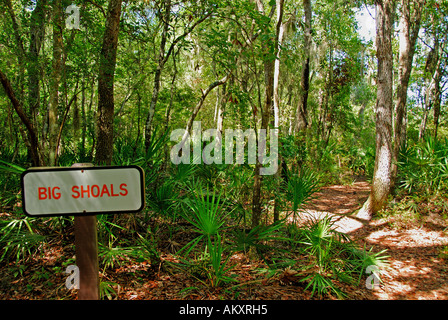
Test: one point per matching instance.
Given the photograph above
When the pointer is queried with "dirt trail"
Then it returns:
(417, 272)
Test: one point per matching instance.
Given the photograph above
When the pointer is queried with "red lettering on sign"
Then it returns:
(123, 189)
(87, 191)
(56, 195)
(42, 193)
(75, 191)
(112, 191)
(105, 190)
(51, 194)
(96, 193)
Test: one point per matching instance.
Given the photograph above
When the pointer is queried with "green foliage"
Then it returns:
(107, 290)
(10, 167)
(300, 187)
(205, 212)
(164, 200)
(219, 266)
(332, 256)
(424, 166)
(19, 239)
(258, 237)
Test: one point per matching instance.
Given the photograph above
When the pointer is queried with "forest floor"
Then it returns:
(417, 268)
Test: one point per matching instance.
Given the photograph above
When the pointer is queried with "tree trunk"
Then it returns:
(278, 43)
(54, 84)
(32, 136)
(108, 55)
(269, 63)
(384, 105)
(37, 32)
(163, 58)
(408, 38)
(437, 100)
(301, 114)
(158, 73)
(199, 106)
(30, 61)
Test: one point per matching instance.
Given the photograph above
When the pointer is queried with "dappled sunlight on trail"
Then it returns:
(416, 270)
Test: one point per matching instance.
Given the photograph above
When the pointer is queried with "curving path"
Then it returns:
(417, 269)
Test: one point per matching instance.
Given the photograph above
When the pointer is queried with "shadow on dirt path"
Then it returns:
(417, 272)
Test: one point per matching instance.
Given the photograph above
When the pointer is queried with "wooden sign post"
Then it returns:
(86, 253)
(83, 191)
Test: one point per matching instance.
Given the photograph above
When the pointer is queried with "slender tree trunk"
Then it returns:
(278, 43)
(37, 33)
(438, 73)
(199, 106)
(158, 73)
(54, 85)
(104, 150)
(222, 102)
(302, 113)
(168, 110)
(32, 135)
(384, 105)
(163, 58)
(269, 64)
(422, 128)
(437, 100)
(84, 119)
(256, 200)
(30, 61)
(408, 38)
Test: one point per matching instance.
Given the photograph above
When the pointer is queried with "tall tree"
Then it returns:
(108, 56)
(381, 182)
(301, 114)
(279, 32)
(32, 134)
(163, 57)
(29, 60)
(268, 45)
(54, 83)
(409, 29)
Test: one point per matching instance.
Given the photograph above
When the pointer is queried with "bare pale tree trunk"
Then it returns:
(408, 38)
(426, 107)
(278, 43)
(221, 105)
(432, 91)
(105, 132)
(301, 114)
(384, 106)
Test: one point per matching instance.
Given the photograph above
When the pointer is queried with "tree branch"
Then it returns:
(26, 121)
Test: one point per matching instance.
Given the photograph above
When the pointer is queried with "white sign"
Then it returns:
(82, 190)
